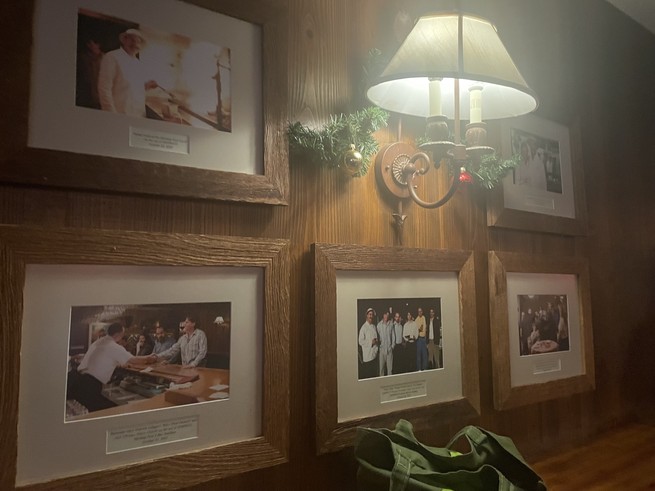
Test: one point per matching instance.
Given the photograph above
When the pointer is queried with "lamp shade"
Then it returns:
(451, 46)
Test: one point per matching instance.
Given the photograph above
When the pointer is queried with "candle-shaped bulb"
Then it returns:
(475, 94)
(435, 96)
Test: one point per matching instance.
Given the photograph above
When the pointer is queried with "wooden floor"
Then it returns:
(620, 460)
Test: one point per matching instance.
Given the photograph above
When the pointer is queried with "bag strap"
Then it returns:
(400, 473)
(501, 453)
(399, 461)
(479, 437)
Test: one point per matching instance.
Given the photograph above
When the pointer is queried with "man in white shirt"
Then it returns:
(387, 340)
(410, 333)
(97, 367)
(538, 170)
(192, 345)
(368, 340)
(398, 347)
(122, 79)
(410, 329)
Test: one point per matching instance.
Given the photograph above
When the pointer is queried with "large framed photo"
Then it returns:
(545, 193)
(542, 341)
(159, 97)
(395, 336)
(151, 354)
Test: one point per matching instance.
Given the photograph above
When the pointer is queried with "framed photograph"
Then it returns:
(395, 336)
(541, 331)
(166, 97)
(149, 330)
(545, 193)
(151, 352)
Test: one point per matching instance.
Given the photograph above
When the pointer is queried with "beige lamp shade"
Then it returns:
(451, 46)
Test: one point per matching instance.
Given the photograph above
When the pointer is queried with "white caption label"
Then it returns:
(156, 140)
(547, 366)
(399, 392)
(131, 438)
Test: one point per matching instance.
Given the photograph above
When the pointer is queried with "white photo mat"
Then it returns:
(362, 398)
(56, 123)
(526, 198)
(49, 293)
(527, 370)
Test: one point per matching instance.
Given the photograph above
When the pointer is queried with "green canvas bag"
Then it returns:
(397, 461)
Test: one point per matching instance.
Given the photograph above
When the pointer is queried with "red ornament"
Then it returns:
(465, 177)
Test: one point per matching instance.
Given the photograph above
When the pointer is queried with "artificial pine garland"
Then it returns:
(329, 145)
(492, 169)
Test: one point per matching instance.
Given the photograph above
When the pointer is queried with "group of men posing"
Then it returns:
(392, 346)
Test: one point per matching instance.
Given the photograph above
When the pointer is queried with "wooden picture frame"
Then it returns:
(330, 261)
(522, 207)
(23, 164)
(23, 249)
(544, 375)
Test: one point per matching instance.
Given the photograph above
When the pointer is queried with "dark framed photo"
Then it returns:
(542, 340)
(157, 98)
(545, 192)
(394, 335)
(144, 349)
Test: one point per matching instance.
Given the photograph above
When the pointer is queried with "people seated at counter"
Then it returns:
(97, 367)
(192, 346)
(143, 346)
(162, 342)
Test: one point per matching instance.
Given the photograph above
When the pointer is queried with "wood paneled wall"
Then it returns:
(584, 59)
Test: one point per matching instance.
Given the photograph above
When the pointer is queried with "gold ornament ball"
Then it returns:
(352, 161)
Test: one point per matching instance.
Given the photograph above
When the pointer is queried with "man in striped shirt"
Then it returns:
(192, 345)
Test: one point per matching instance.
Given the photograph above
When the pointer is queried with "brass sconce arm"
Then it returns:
(410, 171)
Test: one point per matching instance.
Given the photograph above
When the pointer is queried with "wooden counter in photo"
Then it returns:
(200, 390)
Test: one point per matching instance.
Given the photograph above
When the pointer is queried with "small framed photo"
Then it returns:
(395, 335)
(153, 97)
(148, 351)
(542, 341)
(545, 193)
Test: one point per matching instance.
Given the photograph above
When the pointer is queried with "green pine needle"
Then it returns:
(328, 145)
(493, 169)
(489, 171)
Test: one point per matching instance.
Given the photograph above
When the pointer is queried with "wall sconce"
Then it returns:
(449, 63)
